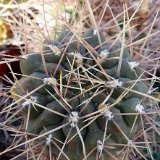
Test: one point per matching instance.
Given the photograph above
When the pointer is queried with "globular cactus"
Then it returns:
(84, 94)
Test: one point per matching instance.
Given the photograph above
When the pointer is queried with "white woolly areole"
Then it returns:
(50, 81)
(48, 140)
(107, 113)
(55, 50)
(139, 108)
(73, 118)
(29, 101)
(104, 54)
(133, 64)
(34, 98)
(99, 146)
(130, 142)
(78, 57)
(114, 83)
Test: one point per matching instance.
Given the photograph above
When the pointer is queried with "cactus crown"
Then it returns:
(86, 92)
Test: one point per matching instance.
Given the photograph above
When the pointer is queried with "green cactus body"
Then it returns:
(40, 122)
(35, 110)
(35, 80)
(31, 63)
(92, 39)
(57, 136)
(74, 147)
(112, 128)
(138, 87)
(79, 92)
(94, 134)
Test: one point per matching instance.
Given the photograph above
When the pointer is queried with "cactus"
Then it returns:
(89, 91)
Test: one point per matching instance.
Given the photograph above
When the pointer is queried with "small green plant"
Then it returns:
(82, 96)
